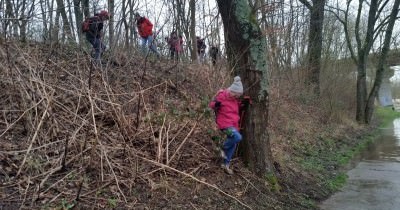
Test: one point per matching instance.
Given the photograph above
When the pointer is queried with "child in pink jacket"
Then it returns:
(226, 106)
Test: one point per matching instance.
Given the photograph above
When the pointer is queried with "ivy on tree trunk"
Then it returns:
(246, 49)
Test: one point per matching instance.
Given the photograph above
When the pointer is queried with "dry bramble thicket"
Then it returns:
(135, 133)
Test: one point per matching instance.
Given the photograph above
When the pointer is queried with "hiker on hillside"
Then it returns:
(175, 43)
(201, 49)
(226, 106)
(94, 33)
(145, 29)
(214, 51)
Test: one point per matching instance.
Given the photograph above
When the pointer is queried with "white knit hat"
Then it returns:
(236, 86)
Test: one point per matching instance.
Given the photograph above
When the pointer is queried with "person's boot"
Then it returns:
(226, 169)
(97, 63)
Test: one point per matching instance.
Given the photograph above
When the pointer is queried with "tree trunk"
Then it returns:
(382, 59)
(192, 6)
(46, 34)
(8, 14)
(13, 23)
(363, 52)
(246, 48)
(56, 28)
(85, 5)
(183, 23)
(24, 22)
(61, 11)
(78, 18)
(71, 21)
(111, 22)
(53, 25)
(125, 22)
(361, 88)
(132, 31)
(314, 43)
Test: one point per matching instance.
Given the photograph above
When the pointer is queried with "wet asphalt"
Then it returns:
(374, 183)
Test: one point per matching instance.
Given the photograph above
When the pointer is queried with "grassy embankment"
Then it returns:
(331, 160)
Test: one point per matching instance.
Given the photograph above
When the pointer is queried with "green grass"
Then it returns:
(336, 182)
(313, 164)
(386, 115)
(315, 159)
(348, 153)
(307, 202)
(325, 158)
(112, 203)
(273, 181)
(330, 154)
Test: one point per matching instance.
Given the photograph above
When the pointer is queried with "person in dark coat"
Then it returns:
(201, 49)
(96, 24)
(214, 51)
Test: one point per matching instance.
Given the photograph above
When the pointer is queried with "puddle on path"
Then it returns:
(374, 184)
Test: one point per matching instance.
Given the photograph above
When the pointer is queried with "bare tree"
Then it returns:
(45, 23)
(78, 17)
(381, 62)
(10, 25)
(133, 34)
(85, 5)
(316, 8)
(192, 6)
(246, 48)
(23, 22)
(363, 45)
(111, 9)
(66, 26)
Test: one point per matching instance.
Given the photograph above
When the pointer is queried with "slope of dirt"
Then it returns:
(136, 134)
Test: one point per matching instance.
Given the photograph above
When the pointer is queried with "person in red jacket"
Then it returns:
(226, 105)
(145, 29)
(175, 43)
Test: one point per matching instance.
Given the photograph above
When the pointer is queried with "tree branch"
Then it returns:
(357, 26)
(381, 9)
(306, 3)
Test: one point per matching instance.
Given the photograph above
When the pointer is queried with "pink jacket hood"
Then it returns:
(228, 113)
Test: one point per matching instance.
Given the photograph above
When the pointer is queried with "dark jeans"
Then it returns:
(98, 47)
(214, 60)
(174, 54)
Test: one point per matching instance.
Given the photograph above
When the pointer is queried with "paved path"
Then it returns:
(374, 184)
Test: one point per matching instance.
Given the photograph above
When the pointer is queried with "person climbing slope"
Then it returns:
(214, 51)
(226, 105)
(145, 29)
(201, 49)
(175, 43)
(93, 27)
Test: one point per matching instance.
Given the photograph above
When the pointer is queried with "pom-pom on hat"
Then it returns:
(104, 13)
(236, 86)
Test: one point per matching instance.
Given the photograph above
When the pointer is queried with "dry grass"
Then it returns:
(139, 137)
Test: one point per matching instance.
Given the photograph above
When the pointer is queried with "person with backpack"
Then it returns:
(201, 49)
(175, 43)
(145, 29)
(226, 105)
(214, 51)
(93, 27)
